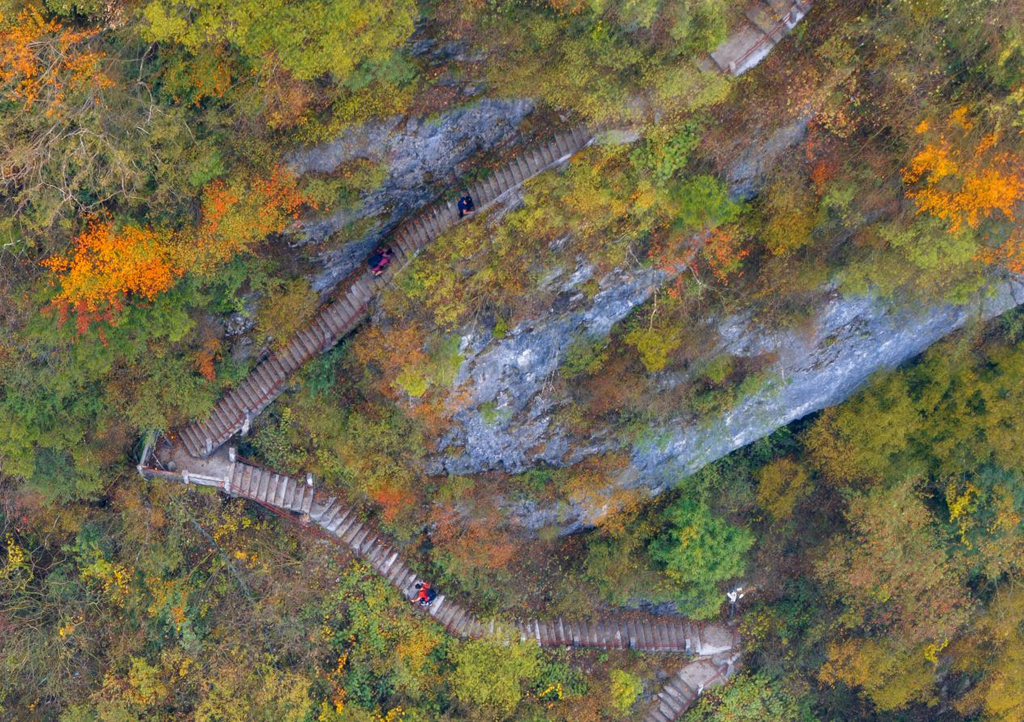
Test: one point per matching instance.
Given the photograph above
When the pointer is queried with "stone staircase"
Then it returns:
(201, 458)
(682, 689)
(716, 646)
(299, 498)
(765, 24)
(238, 407)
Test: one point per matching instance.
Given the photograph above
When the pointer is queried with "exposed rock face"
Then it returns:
(417, 152)
(509, 376)
(852, 338)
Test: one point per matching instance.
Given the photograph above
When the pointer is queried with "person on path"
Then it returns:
(426, 594)
(466, 206)
(380, 260)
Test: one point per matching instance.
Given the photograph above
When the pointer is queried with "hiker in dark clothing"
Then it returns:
(466, 205)
(380, 260)
(426, 593)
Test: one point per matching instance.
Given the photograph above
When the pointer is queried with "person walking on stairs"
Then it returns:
(426, 594)
(380, 260)
(466, 206)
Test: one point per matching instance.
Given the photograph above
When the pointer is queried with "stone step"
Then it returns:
(278, 365)
(189, 437)
(419, 233)
(562, 145)
(524, 162)
(259, 484)
(478, 192)
(351, 532)
(270, 382)
(520, 173)
(272, 488)
(247, 480)
(656, 715)
(345, 524)
(359, 537)
(283, 490)
(266, 381)
(230, 403)
(328, 516)
(768, 21)
(494, 187)
(294, 493)
(547, 155)
(324, 508)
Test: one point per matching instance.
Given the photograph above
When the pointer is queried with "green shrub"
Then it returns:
(490, 673)
(288, 307)
(664, 153)
(699, 551)
(654, 345)
(718, 368)
(702, 203)
(584, 356)
(626, 688)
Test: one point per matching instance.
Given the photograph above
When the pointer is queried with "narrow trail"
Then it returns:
(202, 458)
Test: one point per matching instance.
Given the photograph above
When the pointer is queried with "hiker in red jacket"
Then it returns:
(426, 594)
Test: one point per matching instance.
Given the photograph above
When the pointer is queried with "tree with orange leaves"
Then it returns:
(43, 61)
(963, 180)
(236, 214)
(106, 265)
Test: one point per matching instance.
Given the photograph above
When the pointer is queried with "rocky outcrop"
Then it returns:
(417, 152)
(852, 338)
(508, 377)
(509, 425)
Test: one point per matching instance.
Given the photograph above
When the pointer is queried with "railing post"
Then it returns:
(232, 457)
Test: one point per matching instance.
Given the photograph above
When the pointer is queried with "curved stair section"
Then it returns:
(299, 499)
(715, 646)
(238, 407)
(684, 687)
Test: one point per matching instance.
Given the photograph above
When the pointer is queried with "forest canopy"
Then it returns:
(185, 185)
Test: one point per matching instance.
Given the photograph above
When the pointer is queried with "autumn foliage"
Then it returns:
(107, 264)
(43, 61)
(963, 181)
(236, 215)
